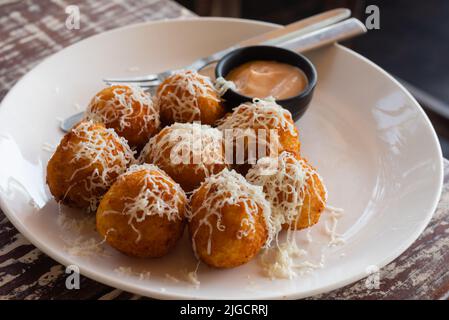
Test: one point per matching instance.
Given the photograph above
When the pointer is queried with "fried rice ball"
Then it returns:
(294, 189)
(142, 214)
(86, 163)
(188, 152)
(188, 96)
(230, 220)
(258, 129)
(128, 110)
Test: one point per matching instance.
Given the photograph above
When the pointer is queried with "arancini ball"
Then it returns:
(294, 189)
(187, 152)
(230, 220)
(87, 161)
(258, 129)
(142, 214)
(187, 96)
(128, 110)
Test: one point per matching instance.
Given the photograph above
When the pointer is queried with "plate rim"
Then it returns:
(145, 291)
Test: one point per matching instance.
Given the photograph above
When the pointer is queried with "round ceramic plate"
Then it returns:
(367, 136)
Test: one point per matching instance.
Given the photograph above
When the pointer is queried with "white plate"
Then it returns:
(371, 141)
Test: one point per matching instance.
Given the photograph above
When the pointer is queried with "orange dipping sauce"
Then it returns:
(262, 79)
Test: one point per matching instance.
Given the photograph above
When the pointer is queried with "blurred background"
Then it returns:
(412, 42)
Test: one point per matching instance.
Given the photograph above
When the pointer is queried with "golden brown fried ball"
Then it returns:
(187, 97)
(188, 152)
(128, 110)
(230, 220)
(294, 189)
(312, 208)
(259, 126)
(86, 163)
(142, 215)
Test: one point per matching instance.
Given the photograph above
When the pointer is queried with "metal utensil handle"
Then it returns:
(274, 37)
(281, 35)
(298, 28)
(334, 33)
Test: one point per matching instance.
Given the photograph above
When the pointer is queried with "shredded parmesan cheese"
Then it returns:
(260, 114)
(188, 143)
(129, 272)
(254, 129)
(107, 155)
(85, 247)
(282, 261)
(186, 276)
(182, 94)
(286, 184)
(230, 188)
(172, 278)
(127, 104)
(222, 85)
(330, 228)
(82, 244)
(77, 225)
(192, 276)
(152, 197)
(279, 262)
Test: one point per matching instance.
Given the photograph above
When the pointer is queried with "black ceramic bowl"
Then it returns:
(298, 104)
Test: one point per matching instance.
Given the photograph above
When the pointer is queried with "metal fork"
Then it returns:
(316, 31)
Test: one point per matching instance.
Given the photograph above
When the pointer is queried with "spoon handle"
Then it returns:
(298, 28)
(328, 35)
(281, 35)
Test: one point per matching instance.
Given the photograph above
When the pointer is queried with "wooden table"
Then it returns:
(32, 30)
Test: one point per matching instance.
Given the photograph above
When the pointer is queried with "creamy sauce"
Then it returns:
(263, 79)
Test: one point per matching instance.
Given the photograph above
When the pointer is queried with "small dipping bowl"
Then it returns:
(297, 104)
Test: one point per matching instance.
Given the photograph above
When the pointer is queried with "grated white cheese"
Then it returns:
(281, 262)
(81, 227)
(129, 272)
(187, 276)
(192, 276)
(181, 93)
(200, 146)
(127, 104)
(152, 198)
(278, 262)
(172, 278)
(254, 129)
(331, 228)
(260, 114)
(230, 188)
(78, 225)
(106, 153)
(286, 181)
(85, 247)
(222, 85)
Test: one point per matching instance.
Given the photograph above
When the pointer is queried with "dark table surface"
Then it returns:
(32, 30)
